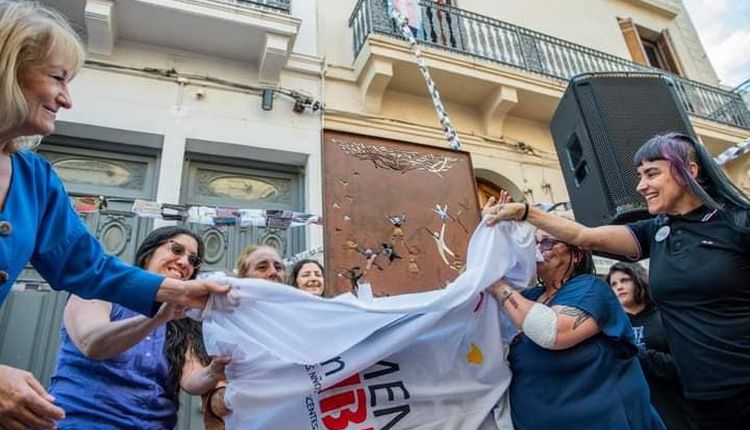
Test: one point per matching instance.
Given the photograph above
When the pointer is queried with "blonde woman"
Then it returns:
(39, 56)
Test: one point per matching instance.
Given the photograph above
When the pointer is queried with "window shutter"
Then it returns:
(666, 48)
(632, 40)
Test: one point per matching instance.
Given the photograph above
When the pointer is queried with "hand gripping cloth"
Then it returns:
(432, 360)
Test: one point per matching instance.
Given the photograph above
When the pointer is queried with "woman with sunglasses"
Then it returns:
(113, 370)
(39, 56)
(699, 249)
(574, 362)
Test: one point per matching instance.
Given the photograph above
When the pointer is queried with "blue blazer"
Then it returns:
(45, 229)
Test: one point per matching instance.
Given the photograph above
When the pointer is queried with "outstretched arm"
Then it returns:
(88, 325)
(72, 259)
(612, 239)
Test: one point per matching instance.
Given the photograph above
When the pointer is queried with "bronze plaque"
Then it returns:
(410, 207)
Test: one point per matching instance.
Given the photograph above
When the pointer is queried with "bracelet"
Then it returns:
(525, 211)
(209, 399)
(505, 295)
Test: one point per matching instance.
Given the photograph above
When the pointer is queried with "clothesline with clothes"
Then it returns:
(216, 216)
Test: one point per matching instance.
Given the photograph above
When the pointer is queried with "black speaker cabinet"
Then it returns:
(602, 120)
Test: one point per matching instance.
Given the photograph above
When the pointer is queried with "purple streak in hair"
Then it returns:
(674, 148)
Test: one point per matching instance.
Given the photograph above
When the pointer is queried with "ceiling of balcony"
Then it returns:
(210, 27)
(142, 22)
(459, 88)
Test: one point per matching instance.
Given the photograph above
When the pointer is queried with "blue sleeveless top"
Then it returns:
(127, 391)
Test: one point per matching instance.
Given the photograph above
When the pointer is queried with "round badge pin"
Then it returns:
(662, 233)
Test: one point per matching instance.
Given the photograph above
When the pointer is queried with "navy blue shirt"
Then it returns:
(700, 281)
(596, 384)
(128, 391)
(43, 228)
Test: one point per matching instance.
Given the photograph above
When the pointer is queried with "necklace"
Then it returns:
(545, 298)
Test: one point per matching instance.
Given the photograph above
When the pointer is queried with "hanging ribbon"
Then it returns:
(290, 261)
(733, 152)
(397, 8)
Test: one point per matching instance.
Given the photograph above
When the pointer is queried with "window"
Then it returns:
(649, 47)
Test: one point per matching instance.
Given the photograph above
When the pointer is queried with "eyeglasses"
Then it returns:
(179, 250)
(547, 243)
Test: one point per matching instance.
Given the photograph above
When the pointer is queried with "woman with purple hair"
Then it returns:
(699, 246)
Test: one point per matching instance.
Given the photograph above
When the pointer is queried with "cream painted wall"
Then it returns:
(307, 39)
(411, 116)
(334, 34)
(593, 23)
(586, 22)
(740, 170)
(138, 103)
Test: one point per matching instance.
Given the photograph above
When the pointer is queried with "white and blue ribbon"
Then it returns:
(450, 133)
(733, 152)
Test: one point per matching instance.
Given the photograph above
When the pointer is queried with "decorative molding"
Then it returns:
(662, 7)
(135, 172)
(374, 81)
(432, 136)
(495, 108)
(209, 236)
(100, 26)
(118, 224)
(305, 64)
(274, 57)
(385, 157)
(205, 178)
(234, 12)
(396, 50)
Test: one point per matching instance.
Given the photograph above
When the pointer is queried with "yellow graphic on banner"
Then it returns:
(475, 355)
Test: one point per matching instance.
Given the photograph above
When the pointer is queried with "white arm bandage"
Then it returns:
(540, 325)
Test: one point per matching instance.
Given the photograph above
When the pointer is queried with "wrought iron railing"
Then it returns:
(743, 90)
(275, 5)
(468, 33)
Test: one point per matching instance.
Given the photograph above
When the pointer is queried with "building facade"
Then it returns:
(502, 67)
(170, 107)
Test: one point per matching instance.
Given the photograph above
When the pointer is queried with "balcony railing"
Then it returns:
(468, 33)
(275, 5)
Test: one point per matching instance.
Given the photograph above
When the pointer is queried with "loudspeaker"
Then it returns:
(601, 121)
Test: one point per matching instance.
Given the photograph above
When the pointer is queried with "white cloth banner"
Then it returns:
(432, 360)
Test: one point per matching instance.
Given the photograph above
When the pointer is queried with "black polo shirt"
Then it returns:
(700, 281)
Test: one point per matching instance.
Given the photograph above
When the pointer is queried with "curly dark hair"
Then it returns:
(639, 275)
(182, 333)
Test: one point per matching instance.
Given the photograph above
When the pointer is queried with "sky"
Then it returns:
(724, 29)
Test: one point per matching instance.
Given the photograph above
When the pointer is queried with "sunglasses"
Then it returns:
(547, 243)
(179, 250)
